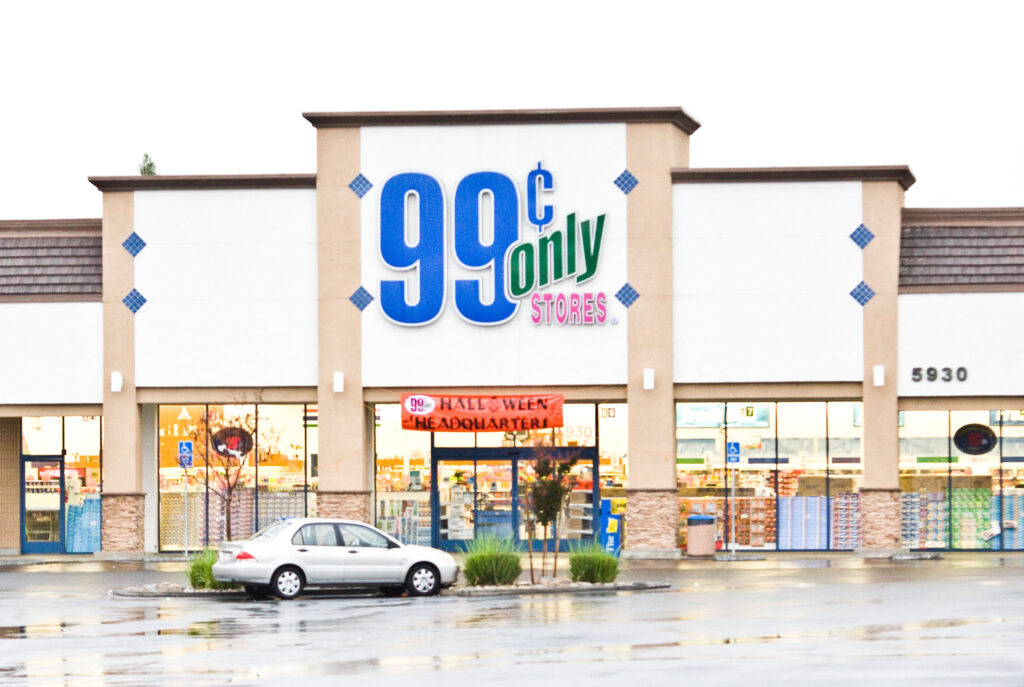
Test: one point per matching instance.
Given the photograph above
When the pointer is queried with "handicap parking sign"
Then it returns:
(184, 454)
(732, 452)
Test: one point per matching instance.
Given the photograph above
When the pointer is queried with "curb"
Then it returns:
(522, 590)
(157, 594)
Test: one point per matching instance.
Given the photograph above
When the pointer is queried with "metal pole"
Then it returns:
(186, 512)
(732, 537)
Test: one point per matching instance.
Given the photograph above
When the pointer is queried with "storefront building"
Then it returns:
(789, 349)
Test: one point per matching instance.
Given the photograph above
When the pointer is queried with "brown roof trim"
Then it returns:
(961, 216)
(50, 227)
(203, 182)
(900, 173)
(51, 298)
(672, 115)
(962, 288)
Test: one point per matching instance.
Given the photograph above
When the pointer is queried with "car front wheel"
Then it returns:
(423, 580)
(287, 583)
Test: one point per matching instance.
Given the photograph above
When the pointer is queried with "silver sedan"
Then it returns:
(289, 555)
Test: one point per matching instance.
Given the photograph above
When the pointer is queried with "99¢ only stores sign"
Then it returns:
(483, 272)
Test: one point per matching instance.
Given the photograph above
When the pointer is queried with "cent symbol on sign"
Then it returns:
(184, 454)
(732, 452)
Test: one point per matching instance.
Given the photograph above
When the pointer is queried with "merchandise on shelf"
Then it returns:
(1010, 520)
(925, 520)
(405, 516)
(83, 525)
(846, 521)
(803, 522)
(972, 514)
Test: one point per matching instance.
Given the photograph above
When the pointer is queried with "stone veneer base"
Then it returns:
(351, 505)
(880, 520)
(652, 519)
(123, 522)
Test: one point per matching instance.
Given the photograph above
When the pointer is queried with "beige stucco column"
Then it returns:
(652, 515)
(122, 498)
(880, 495)
(344, 478)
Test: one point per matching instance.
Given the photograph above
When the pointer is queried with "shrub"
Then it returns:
(491, 561)
(200, 572)
(590, 563)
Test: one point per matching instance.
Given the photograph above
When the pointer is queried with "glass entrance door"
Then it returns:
(484, 491)
(42, 504)
(475, 497)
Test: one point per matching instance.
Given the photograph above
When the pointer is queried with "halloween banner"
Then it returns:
(440, 413)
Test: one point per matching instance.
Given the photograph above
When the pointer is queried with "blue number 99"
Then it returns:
(474, 254)
(426, 253)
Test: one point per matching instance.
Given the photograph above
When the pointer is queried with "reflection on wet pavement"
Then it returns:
(729, 622)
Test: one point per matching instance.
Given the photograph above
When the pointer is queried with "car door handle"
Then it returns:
(303, 550)
(352, 551)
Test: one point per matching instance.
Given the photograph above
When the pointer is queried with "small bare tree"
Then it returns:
(549, 493)
(227, 457)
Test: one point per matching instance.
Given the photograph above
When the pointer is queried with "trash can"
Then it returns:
(700, 535)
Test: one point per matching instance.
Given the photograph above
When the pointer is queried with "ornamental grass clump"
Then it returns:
(590, 563)
(491, 561)
(200, 572)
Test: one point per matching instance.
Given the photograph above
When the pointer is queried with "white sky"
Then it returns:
(219, 87)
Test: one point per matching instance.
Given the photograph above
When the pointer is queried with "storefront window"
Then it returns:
(924, 478)
(751, 506)
(42, 436)
(613, 427)
(250, 465)
(846, 472)
(311, 467)
(700, 464)
(803, 476)
(74, 444)
(82, 470)
(972, 479)
(1010, 425)
(281, 463)
(402, 477)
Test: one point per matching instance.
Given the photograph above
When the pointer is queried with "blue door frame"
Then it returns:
(514, 455)
(37, 546)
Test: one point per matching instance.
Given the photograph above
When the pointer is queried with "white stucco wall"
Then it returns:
(979, 333)
(231, 286)
(51, 353)
(763, 274)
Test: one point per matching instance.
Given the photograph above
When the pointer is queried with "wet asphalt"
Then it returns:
(786, 620)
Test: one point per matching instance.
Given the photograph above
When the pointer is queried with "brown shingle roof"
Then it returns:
(51, 260)
(962, 250)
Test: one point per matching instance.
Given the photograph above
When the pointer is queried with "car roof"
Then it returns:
(339, 521)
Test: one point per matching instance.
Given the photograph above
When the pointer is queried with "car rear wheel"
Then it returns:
(287, 583)
(257, 591)
(423, 580)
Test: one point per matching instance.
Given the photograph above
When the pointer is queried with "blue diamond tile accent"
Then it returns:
(862, 236)
(862, 293)
(134, 244)
(626, 182)
(361, 298)
(134, 300)
(360, 185)
(627, 295)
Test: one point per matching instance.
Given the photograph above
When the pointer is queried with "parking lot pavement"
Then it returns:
(793, 619)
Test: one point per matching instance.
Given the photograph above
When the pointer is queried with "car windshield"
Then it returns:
(270, 531)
